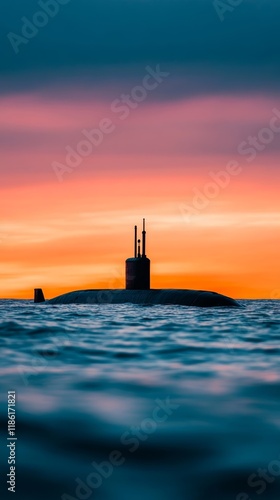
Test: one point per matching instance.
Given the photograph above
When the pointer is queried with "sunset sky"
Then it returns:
(178, 154)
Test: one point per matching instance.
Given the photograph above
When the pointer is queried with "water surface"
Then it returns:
(188, 398)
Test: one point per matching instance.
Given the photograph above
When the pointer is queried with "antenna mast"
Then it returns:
(144, 239)
(135, 242)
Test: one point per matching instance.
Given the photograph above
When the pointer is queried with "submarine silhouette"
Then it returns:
(138, 290)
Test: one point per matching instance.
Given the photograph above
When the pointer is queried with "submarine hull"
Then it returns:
(195, 298)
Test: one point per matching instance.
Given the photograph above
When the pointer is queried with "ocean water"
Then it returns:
(128, 402)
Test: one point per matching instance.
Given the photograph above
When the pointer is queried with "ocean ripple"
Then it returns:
(189, 398)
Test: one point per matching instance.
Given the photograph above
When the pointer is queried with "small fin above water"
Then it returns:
(38, 295)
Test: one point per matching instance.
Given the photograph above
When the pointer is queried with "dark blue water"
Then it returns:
(125, 402)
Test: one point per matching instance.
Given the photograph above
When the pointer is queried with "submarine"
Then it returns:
(137, 290)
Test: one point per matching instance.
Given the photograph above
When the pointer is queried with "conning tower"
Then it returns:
(138, 267)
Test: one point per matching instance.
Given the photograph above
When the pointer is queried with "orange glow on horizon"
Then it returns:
(81, 243)
(76, 234)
